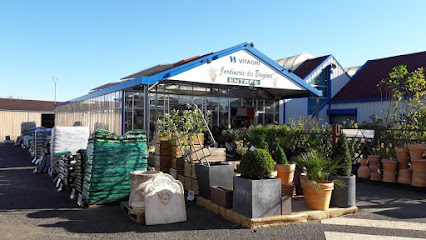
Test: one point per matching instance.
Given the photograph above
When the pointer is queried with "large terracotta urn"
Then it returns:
(363, 170)
(389, 170)
(402, 157)
(373, 159)
(317, 198)
(416, 151)
(404, 176)
(419, 173)
(285, 172)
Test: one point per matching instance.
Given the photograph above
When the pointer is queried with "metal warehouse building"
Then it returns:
(15, 111)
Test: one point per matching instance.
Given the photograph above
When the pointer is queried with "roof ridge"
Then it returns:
(402, 55)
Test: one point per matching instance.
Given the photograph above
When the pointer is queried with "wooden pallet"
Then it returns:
(138, 218)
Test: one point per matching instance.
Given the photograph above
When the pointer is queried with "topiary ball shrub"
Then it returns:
(257, 164)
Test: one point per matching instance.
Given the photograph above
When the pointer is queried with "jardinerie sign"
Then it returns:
(240, 68)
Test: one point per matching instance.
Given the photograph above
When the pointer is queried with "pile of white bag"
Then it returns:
(67, 139)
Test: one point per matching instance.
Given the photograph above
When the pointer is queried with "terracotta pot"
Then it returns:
(373, 159)
(364, 162)
(317, 199)
(404, 176)
(389, 170)
(363, 172)
(402, 157)
(419, 173)
(286, 172)
(373, 169)
(377, 176)
(416, 151)
(288, 190)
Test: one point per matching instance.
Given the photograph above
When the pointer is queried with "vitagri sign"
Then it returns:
(240, 68)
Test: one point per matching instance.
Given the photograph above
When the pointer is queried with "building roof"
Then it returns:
(157, 73)
(308, 66)
(293, 62)
(363, 84)
(26, 105)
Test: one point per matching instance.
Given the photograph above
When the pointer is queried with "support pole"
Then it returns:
(317, 109)
(146, 112)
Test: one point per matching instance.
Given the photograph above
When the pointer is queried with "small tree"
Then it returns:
(341, 154)
(280, 156)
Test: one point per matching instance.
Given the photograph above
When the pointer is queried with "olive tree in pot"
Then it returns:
(343, 196)
(255, 194)
(317, 190)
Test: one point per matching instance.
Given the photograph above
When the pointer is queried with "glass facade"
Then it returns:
(231, 107)
(102, 112)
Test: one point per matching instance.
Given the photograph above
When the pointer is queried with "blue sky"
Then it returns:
(88, 43)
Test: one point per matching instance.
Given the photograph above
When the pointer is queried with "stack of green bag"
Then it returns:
(109, 161)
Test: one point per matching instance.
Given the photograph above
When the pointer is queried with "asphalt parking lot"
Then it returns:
(31, 208)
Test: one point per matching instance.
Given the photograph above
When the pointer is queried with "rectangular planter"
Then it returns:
(218, 174)
(221, 196)
(257, 198)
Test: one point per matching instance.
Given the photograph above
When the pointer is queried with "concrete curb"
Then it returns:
(273, 221)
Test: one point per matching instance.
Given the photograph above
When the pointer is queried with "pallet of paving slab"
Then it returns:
(138, 218)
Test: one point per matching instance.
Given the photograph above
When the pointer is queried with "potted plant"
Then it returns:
(188, 127)
(317, 190)
(255, 194)
(343, 196)
(285, 170)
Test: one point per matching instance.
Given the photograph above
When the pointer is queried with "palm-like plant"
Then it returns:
(317, 167)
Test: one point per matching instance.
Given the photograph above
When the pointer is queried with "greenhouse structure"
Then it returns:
(239, 85)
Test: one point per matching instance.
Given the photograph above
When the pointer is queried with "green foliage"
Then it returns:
(185, 124)
(341, 155)
(280, 156)
(316, 166)
(240, 148)
(256, 164)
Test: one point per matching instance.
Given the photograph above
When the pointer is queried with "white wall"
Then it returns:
(297, 108)
(364, 109)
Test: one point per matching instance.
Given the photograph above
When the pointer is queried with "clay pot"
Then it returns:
(376, 176)
(404, 176)
(286, 172)
(389, 170)
(373, 159)
(419, 173)
(288, 190)
(373, 169)
(402, 157)
(363, 172)
(317, 199)
(416, 150)
(364, 162)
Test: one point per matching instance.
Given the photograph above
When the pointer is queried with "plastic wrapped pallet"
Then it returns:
(41, 136)
(26, 127)
(67, 139)
(109, 161)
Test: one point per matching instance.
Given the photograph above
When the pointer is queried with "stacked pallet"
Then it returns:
(108, 164)
(41, 136)
(163, 153)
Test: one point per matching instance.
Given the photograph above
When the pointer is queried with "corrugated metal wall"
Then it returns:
(297, 108)
(364, 109)
(10, 122)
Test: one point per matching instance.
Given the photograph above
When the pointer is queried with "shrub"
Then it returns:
(341, 154)
(256, 164)
(280, 156)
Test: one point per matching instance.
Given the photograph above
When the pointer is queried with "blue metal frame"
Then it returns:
(349, 111)
(143, 80)
(360, 100)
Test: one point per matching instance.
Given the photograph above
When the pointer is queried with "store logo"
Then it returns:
(244, 61)
(233, 59)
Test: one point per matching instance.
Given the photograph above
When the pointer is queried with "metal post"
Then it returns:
(146, 112)
(55, 80)
(317, 108)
